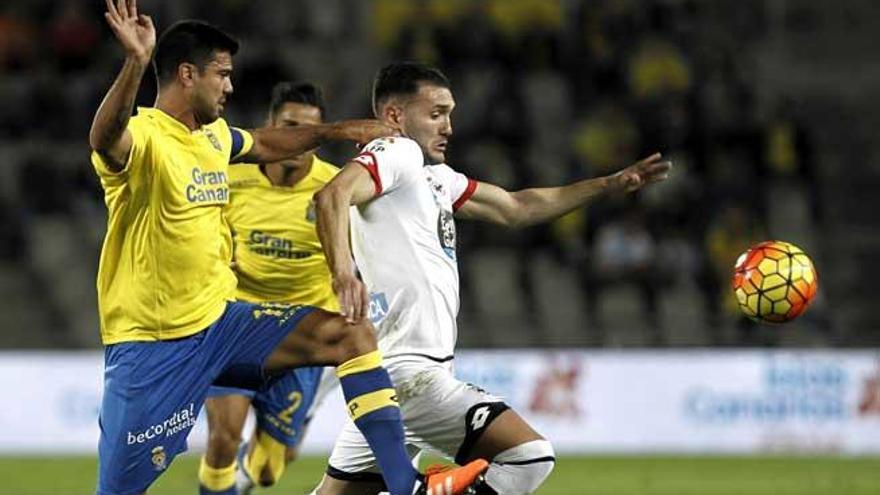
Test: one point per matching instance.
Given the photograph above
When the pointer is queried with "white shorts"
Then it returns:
(328, 384)
(440, 414)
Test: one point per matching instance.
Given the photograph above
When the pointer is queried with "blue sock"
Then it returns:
(203, 490)
(372, 404)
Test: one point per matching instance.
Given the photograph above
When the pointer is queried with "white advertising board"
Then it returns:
(701, 401)
(691, 401)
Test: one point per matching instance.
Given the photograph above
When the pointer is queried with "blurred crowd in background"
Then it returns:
(754, 101)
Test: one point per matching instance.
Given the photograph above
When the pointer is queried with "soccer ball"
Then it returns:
(774, 282)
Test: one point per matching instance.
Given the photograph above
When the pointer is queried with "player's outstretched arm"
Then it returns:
(351, 186)
(532, 206)
(273, 144)
(137, 35)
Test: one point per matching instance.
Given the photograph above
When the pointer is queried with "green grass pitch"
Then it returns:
(667, 475)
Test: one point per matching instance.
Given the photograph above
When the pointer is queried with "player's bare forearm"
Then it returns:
(273, 144)
(331, 207)
(529, 207)
(351, 186)
(284, 143)
(533, 206)
(539, 205)
(137, 36)
(108, 133)
(332, 204)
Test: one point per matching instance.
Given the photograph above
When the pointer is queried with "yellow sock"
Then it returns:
(364, 362)
(366, 385)
(268, 453)
(216, 479)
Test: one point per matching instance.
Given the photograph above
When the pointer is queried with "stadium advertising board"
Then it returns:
(584, 401)
(691, 401)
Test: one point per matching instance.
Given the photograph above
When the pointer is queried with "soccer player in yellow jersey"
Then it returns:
(169, 322)
(278, 258)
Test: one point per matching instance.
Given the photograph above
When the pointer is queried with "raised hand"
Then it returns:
(134, 31)
(643, 172)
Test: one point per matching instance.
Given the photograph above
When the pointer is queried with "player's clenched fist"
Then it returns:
(134, 31)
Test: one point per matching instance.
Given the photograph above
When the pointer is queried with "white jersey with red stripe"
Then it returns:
(404, 246)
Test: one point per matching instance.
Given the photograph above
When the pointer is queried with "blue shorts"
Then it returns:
(153, 391)
(282, 407)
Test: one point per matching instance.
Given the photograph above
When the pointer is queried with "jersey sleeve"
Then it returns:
(390, 162)
(459, 186)
(140, 143)
(242, 142)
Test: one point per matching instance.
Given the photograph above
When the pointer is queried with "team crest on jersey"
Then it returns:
(446, 232)
(214, 141)
(158, 458)
(445, 222)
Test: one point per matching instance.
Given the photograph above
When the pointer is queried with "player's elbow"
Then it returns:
(99, 141)
(517, 223)
(502, 219)
(323, 198)
(106, 143)
(329, 198)
(515, 216)
(524, 210)
(261, 150)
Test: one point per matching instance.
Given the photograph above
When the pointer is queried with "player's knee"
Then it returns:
(360, 339)
(522, 469)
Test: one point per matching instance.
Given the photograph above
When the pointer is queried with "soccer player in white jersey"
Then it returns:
(403, 241)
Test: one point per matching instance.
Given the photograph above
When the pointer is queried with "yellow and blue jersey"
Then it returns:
(163, 274)
(277, 253)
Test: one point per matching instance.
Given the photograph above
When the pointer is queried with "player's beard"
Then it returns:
(433, 159)
(204, 111)
(430, 159)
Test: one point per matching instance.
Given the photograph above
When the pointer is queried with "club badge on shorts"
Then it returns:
(159, 458)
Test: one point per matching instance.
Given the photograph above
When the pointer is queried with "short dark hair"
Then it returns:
(296, 92)
(403, 78)
(189, 41)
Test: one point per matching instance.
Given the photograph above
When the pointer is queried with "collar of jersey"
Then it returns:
(303, 183)
(166, 119)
